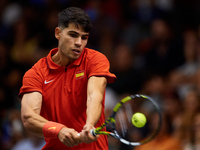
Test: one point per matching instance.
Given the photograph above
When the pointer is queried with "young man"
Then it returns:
(63, 93)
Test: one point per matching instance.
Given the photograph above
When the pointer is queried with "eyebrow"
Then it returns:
(78, 33)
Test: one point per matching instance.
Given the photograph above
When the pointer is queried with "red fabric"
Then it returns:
(64, 91)
(51, 129)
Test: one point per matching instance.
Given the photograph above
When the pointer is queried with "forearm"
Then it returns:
(94, 108)
(48, 129)
(30, 113)
(95, 94)
(34, 123)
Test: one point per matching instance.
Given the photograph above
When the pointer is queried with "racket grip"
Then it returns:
(92, 132)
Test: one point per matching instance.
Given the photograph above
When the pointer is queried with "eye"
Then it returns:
(73, 35)
(84, 37)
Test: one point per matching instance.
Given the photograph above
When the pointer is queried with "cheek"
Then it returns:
(84, 43)
(65, 42)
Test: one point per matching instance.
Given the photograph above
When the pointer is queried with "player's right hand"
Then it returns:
(69, 137)
(85, 135)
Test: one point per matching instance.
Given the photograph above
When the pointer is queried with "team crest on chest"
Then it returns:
(79, 74)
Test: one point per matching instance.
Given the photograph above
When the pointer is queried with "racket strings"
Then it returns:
(123, 120)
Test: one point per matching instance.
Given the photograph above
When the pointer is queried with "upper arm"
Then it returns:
(96, 87)
(32, 81)
(31, 103)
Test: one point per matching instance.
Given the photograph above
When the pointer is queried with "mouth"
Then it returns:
(76, 51)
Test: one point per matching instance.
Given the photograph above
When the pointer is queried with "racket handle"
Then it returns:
(92, 132)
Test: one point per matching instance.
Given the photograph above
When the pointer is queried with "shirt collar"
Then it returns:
(52, 65)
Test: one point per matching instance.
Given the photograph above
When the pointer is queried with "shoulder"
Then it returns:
(94, 55)
(92, 52)
(98, 65)
(42, 63)
(38, 68)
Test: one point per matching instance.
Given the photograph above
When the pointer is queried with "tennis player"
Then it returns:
(63, 93)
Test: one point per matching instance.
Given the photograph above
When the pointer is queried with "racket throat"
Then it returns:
(115, 135)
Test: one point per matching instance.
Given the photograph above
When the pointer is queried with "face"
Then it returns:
(72, 40)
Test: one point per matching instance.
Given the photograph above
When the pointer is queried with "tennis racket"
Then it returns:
(119, 125)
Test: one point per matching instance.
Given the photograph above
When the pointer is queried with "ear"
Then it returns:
(57, 33)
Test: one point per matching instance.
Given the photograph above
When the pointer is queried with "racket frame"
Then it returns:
(111, 120)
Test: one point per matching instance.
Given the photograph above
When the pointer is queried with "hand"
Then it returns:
(85, 135)
(69, 137)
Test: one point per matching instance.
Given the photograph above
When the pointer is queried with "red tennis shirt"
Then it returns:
(64, 91)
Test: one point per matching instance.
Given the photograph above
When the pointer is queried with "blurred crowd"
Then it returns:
(153, 47)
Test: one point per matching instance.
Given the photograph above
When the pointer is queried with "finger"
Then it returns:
(90, 138)
(84, 137)
(73, 140)
(78, 138)
(94, 138)
(68, 142)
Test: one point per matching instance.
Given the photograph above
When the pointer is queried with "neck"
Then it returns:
(59, 60)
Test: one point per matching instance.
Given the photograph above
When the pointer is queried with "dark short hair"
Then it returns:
(74, 15)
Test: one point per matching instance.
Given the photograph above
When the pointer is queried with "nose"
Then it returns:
(78, 42)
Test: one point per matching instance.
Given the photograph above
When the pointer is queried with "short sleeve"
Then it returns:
(100, 66)
(32, 82)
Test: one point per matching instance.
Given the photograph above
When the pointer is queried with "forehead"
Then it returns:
(74, 28)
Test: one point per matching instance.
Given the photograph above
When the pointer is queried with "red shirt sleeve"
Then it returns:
(32, 82)
(100, 66)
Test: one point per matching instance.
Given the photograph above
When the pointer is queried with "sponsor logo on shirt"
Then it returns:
(46, 82)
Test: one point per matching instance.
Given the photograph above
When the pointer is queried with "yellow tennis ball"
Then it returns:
(139, 120)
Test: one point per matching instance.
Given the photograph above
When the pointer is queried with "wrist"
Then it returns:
(51, 129)
(88, 126)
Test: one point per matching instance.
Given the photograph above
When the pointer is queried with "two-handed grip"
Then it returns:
(91, 132)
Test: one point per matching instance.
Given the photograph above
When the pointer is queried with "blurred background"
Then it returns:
(153, 47)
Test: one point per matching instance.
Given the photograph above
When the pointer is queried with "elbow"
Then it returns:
(25, 120)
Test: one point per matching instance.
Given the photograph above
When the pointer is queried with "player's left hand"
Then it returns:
(85, 135)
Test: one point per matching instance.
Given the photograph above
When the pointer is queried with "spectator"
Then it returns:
(31, 142)
(191, 105)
